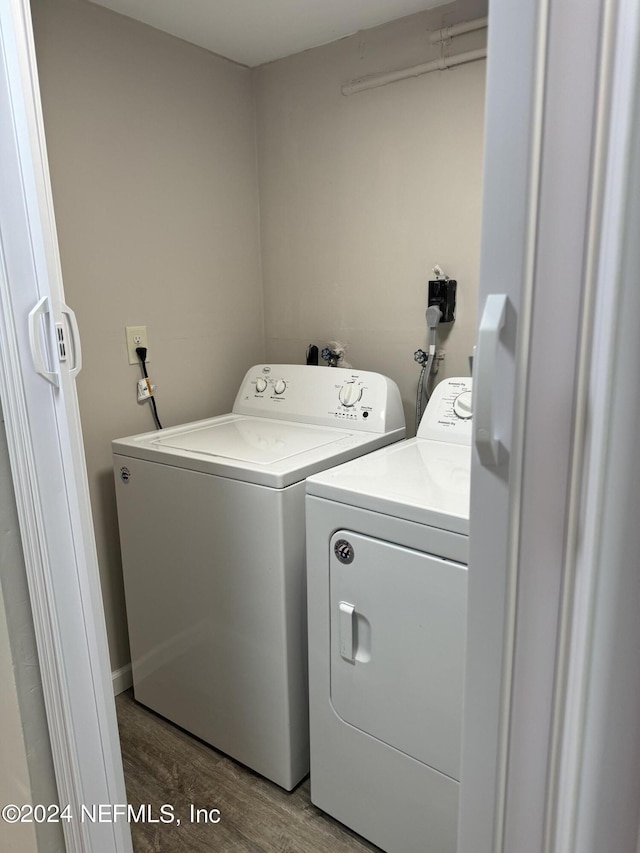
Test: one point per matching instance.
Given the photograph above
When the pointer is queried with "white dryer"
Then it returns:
(211, 518)
(387, 552)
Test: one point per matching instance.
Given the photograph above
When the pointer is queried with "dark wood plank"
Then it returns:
(165, 765)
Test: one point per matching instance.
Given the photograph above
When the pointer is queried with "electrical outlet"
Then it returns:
(442, 293)
(136, 337)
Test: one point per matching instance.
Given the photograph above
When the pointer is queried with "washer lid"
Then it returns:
(263, 451)
(256, 440)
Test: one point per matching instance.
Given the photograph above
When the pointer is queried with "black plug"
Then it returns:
(141, 352)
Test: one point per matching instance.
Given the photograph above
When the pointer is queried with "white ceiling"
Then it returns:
(255, 31)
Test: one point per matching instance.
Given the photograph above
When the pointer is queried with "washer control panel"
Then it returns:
(449, 412)
(331, 396)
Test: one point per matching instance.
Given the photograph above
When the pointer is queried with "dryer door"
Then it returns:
(397, 646)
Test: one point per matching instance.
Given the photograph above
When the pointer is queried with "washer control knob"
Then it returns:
(261, 384)
(349, 394)
(462, 405)
(279, 386)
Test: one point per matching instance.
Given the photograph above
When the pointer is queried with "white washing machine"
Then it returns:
(387, 551)
(211, 518)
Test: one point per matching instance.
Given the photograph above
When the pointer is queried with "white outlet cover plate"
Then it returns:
(136, 337)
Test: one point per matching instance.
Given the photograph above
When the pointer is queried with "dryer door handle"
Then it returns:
(347, 631)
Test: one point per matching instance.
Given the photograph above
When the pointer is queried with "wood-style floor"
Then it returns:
(165, 765)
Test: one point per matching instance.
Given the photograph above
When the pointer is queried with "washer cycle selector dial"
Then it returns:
(462, 405)
(279, 386)
(261, 385)
(350, 394)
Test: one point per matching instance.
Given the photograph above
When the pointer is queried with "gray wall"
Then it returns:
(361, 195)
(151, 145)
(211, 202)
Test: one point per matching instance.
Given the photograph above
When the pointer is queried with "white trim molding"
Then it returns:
(122, 679)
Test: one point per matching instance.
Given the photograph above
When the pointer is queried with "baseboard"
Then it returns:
(122, 679)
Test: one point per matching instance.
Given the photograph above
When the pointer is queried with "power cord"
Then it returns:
(141, 352)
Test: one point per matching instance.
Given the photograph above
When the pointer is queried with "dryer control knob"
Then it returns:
(349, 394)
(279, 386)
(462, 405)
(261, 385)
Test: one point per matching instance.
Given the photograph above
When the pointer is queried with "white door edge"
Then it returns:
(48, 468)
(512, 726)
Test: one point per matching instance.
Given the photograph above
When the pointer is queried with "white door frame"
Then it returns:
(596, 749)
(47, 462)
(537, 761)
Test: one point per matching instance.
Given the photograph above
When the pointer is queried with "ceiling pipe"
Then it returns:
(447, 33)
(444, 62)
